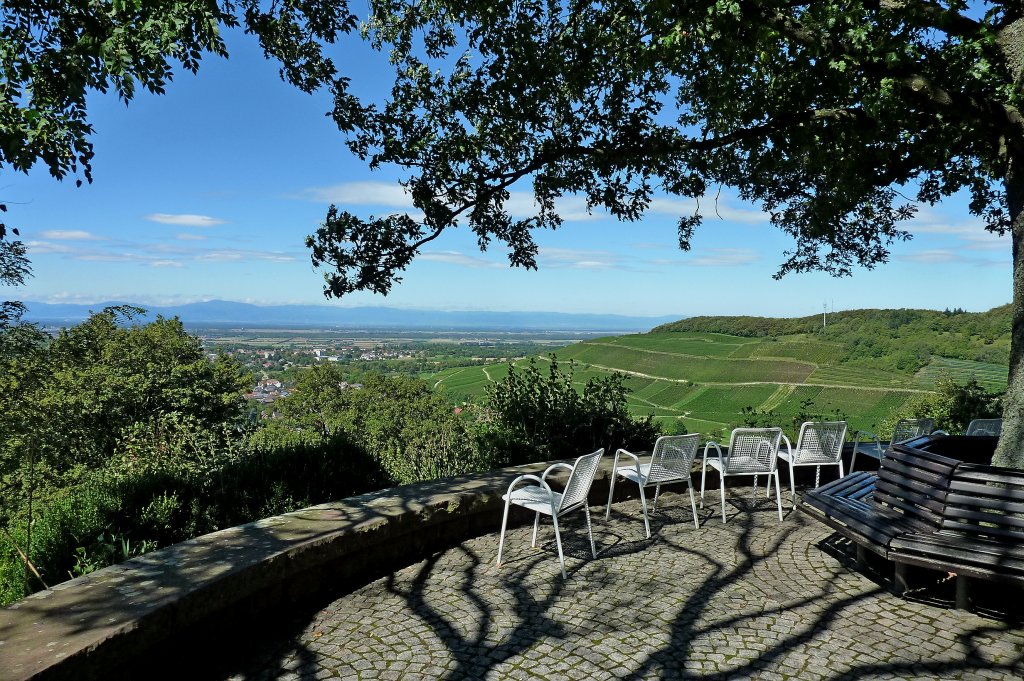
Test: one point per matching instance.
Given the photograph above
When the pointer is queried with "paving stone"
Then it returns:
(751, 599)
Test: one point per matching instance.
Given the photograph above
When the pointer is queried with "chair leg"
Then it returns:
(703, 472)
(558, 540)
(792, 484)
(611, 493)
(657, 491)
(853, 461)
(593, 549)
(536, 524)
(721, 484)
(693, 504)
(778, 492)
(643, 506)
(501, 541)
(817, 477)
(753, 491)
(842, 474)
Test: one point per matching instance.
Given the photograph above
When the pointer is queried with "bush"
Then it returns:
(953, 406)
(532, 417)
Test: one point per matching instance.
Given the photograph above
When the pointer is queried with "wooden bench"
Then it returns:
(981, 534)
(907, 495)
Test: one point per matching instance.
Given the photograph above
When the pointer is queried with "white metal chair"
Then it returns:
(752, 451)
(991, 427)
(820, 443)
(671, 461)
(871, 445)
(540, 498)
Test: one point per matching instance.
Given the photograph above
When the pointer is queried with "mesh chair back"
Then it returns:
(907, 429)
(578, 487)
(753, 450)
(820, 442)
(991, 427)
(673, 457)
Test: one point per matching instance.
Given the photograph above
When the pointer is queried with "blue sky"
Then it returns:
(209, 191)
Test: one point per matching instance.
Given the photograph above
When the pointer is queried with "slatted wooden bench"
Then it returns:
(907, 495)
(981, 534)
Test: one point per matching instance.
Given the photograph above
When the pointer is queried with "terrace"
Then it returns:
(402, 584)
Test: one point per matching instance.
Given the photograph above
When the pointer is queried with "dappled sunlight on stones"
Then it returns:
(754, 598)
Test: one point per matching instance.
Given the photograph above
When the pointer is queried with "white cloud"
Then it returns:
(184, 219)
(457, 258)
(724, 257)
(185, 236)
(69, 235)
(239, 255)
(580, 259)
(41, 247)
(390, 194)
(943, 256)
(166, 263)
(711, 208)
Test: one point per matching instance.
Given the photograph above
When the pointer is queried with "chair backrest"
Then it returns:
(582, 476)
(673, 456)
(753, 450)
(907, 429)
(820, 442)
(914, 482)
(991, 427)
(987, 502)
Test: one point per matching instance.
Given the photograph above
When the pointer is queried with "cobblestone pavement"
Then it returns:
(755, 598)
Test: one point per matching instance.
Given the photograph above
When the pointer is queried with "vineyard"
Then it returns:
(705, 381)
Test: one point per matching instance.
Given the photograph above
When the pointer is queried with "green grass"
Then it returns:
(805, 350)
(683, 367)
(705, 380)
(848, 375)
(992, 376)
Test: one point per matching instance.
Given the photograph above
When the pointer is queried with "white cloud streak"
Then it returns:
(69, 235)
(184, 219)
(457, 258)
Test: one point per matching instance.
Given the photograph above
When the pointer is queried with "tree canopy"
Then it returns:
(825, 113)
(54, 52)
(837, 118)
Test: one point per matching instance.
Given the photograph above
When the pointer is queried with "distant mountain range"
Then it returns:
(228, 313)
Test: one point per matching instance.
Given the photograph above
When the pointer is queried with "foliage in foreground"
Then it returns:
(121, 439)
(537, 417)
(952, 405)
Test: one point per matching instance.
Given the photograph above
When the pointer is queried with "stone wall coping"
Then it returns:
(62, 632)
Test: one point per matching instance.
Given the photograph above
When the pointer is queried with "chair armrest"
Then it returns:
(708, 446)
(629, 454)
(857, 438)
(528, 477)
(789, 447)
(553, 467)
(636, 461)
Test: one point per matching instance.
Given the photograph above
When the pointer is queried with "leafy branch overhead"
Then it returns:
(822, 112)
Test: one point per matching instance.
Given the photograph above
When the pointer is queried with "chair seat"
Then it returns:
(871, 449)
(629, 472)
(740, 465)
(807, 459)
(535, 498)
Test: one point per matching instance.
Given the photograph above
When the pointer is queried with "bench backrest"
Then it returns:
(914, 482)
(986, 501)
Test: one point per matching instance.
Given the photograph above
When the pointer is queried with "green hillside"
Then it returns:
(704, 371)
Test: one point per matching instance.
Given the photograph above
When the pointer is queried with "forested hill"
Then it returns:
(978, 336)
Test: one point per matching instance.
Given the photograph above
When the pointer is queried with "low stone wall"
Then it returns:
(96, 626)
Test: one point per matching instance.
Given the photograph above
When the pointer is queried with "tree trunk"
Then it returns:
(1010, 452)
